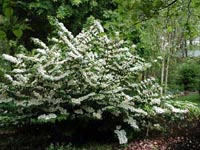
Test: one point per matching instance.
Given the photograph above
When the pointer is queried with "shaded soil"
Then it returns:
(163, 143)
(39, 137)
(183, 139)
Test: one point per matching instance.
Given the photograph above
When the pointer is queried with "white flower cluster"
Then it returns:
(159, 110)
(132, 123)
(177, 110)
(121, 134)
(47, 117)
(10, 58)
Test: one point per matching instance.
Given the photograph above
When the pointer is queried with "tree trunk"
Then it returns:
(185, 48)
(162, 75)
(166, 74)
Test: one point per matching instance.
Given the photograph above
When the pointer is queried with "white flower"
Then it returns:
(177, 110)
(19, 70)
(157, 126)
(99, 26)
(10, 58)
(97, 114)
(160, 57)
(8, 77)
(134, 46)
(136, 68)
(75, 56)
(79, 111)
(62, 27)
(121, 134)
(80, 99)
(55, 40)
(47, 117)
(117, 34)
(37, 95)
(22, 78)
(88, 109)
(155, 60)
(127, 106)
(156, 101)
(5, 100)
(42, 51)
(159, 110)
(40, 43)
(34, 59)
(132, 123)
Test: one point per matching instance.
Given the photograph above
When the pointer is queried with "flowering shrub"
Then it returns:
(81, 77)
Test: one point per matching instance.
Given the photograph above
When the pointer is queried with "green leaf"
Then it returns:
(64, 11)
(76, 2)
(8, 12)
(18, 33)
(2, 35)
(169, 29)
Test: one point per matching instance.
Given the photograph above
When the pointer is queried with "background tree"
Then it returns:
(164, 28)
(21, 20)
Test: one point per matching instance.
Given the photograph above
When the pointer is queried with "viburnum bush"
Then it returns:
(87, 77)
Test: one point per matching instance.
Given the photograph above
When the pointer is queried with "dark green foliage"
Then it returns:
(188, 76)
(198, 77)
(23, 19)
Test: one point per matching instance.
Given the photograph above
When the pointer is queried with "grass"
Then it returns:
(192, 97)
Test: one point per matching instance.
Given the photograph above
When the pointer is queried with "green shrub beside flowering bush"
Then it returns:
(83, 77)
(188, 75)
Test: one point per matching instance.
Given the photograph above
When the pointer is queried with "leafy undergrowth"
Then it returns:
(184, 135)
(52, 137)
(191, 97)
